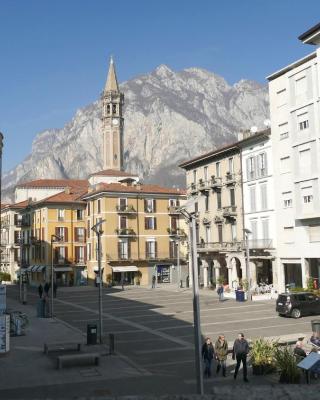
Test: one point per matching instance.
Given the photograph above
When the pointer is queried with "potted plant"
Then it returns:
(262, 356)
(286, 365)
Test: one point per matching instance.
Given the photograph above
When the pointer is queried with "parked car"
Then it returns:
(297, 304)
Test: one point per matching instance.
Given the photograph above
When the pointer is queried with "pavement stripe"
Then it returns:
(132, 324)
(172, 349)
(168, 363)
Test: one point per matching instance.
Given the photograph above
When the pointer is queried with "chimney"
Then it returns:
(67, 190)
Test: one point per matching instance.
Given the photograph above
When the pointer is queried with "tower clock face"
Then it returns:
(115, 122)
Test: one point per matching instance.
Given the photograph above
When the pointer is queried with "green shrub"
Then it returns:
(262, 352)
(5, 276)
(287, 365)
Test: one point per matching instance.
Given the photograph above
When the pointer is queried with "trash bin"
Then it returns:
(240, 295)
(91, 334)
(315, 326)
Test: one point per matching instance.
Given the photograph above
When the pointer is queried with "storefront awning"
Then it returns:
(128, 268)
(62, 269)
(41, 268)
(29, 269)
(34, 268)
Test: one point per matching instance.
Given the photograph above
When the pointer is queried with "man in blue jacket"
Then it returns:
(240, 352)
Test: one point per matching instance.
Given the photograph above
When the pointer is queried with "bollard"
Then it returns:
(111, 343)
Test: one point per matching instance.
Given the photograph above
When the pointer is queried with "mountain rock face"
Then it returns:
(169, 117)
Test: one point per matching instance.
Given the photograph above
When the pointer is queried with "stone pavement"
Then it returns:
(27, 366)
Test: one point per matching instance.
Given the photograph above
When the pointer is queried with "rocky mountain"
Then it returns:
(169, 117)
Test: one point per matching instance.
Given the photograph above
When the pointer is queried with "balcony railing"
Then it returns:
(173, 209)
(260, 244)
(125, 232)
(204, 186)
(229, 211)
(215, 183)
(230, 178)
(18, 222)
(218, 219)
(168, 255)
(80, 239)
(193, 188)
(80, 261)
(220, 246)
(125, 209)
(25, 223)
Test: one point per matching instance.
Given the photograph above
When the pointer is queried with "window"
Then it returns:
(208, 234)
(151, 248)
(287, 199)
(281, 98)
(264, 197)
(305, 161)
(284, 130)
(80, 215)
(232, 198)
(114, 108)
(206, 174)
(284, 165)
(233, 232)
(174, 223)
(79, 234)
(99, 206)
(265, 228)
(60, 215)
(79, 254)
(150, 223)
(303, 121)
(231, 165)
(173, 249)
(220, 237)
(254, 229)
(300, 86)
(149, 205)
(307, 198)
(61, 254)
(194, 176)
(262, 164)
(314, 233)
(88, 209)
(218, 170)
(62, 233)
(250, 168)
(252, 190)
(219, 204)
(196, 207)
(288, 232)
(108, 109)
(89, 251)
(88, 229)
(206, 199)
(174, 202)
(123, 222)
(123, 249)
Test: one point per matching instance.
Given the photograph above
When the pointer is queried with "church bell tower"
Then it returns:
(112, 122)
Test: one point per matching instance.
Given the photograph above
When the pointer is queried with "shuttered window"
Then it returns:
(264, 198)
(252, 190)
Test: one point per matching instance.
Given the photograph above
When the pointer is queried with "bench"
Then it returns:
(77, 359)
(62, 346)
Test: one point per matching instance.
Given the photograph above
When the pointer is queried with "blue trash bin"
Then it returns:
(240, 295)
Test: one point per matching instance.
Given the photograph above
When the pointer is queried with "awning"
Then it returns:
(41, 268)
(29, 269)
(34, 268)
(128, 268)
(96, 269)
(62, 269)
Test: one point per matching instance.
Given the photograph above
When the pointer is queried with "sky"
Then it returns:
(54, 55)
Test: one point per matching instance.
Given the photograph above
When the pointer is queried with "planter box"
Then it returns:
(263, 369)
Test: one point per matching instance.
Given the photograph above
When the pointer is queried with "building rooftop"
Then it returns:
(311, 36)
(231, 147)
(139, 188)
(112, 172)
(54, 183)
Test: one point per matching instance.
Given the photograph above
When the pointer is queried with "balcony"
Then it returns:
(229, 212)
(125, 209)
(176, 232)
(220, 247)
(218, 219)
(125, 232)
(25, 223)
(260, 244)
(18, 222)
(215, 183)
(206, 221)
(80, 261)
(193, 188)
(34, 240)
(230, 178)
(204, 186)
(173, 210)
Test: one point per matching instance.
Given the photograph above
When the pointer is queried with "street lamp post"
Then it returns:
(98, 231)
(247, 233)
(190, 217)
(54, 238)
(177, 242)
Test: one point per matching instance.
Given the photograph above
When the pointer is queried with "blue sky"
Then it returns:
(54, 54)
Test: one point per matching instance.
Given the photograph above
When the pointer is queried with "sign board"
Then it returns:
(3, 299)
(4, 333)
(310, 361)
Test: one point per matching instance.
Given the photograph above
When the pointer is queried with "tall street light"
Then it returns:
(98, 231)
(54, 238)
(247, 232)
(191, 219)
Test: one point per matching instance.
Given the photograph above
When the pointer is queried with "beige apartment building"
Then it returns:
(214, 181)
(141, 233)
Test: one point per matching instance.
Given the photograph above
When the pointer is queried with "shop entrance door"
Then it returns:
(163, 273)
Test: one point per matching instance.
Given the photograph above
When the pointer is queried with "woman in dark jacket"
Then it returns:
(221, 350)
(207, 355)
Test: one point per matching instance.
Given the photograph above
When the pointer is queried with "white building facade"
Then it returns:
(295, 126)
(259, 206)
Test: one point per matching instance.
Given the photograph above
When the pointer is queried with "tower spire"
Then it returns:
(112, 83)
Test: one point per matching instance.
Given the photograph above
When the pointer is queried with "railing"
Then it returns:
(18, 222)
(126, 209)
(204, 185)
(215, 182)
(230, 178)
(80, 239)
(218, 220)
(260, 243)
(176, 232)
(80, 261)
(25, 223)
(229, 211)
(193, 188)
(173, 209)
(220, 246)
(125, 232)
(168, 255)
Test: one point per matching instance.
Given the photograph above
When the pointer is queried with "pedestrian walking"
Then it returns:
(40, 290)
(153, 281)
(207, 355)
(240, 352)
(220, 291)
(46, 288)
(55, 288)
(122, 282)
(221, 352)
